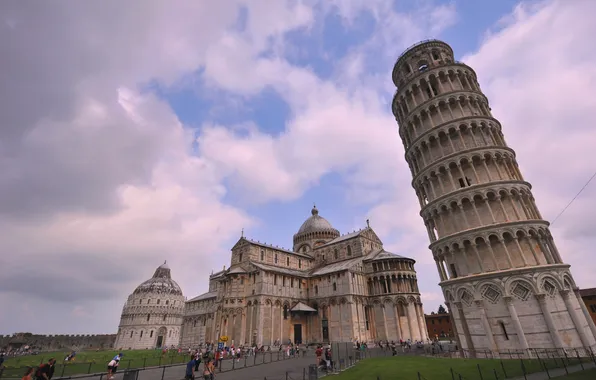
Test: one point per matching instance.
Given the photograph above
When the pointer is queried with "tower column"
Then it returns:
(516, 323)
(486, 325)
(586, 312)
(575, 318)
(548, 318)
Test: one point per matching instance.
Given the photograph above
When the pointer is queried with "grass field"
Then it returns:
(91, 362)
(408, 367)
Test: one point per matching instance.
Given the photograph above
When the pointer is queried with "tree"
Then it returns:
(441, 310)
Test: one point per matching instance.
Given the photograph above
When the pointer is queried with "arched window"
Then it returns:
(288, 261)
(262, 255)
(158, 301)
(334, 287)
(167, 302)
(148, 316)
(335, 254)
(240, 257)
(276, 258)
(285, 311)
(349, 250)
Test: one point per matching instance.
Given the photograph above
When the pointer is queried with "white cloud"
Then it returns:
(539, 72)
(99, 182)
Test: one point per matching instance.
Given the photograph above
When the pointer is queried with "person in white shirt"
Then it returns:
(113, 367)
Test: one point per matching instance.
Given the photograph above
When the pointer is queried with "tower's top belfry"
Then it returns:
(419, 57)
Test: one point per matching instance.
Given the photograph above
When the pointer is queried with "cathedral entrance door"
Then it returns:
(159, 341)
(325, 325)
(298, 334)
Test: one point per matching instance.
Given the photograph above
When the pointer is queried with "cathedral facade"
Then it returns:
(328, 288)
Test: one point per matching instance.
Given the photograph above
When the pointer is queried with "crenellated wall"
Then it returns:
(57, 342)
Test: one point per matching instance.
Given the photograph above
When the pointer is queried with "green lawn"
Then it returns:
(91, 361)
(408, 367)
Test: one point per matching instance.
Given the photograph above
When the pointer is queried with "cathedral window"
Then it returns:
(151, 334)
(299, 263)
(299, 284)
(334, 287)
(167, 302)
(285, 311)
(131, 334)
(240, 257)
(254, 279)
(335, 254)
(276, 258)
(148, 316)
(148, 302)
(292, 282)
(158, 302)
(274, 279)
(241, 280)
(141, 334)
(316, 289)
(140, 301)
(164, 317)
(283, 281)
(194, 324)
(349, 250)
(262, 255)
(288, 261)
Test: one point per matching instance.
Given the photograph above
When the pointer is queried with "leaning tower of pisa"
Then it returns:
(502, 276)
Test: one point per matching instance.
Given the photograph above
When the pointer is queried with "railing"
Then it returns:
(417, 44)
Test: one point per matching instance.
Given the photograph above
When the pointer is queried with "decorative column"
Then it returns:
(516, 323)
(486, 324)
(581, 331)
(554, 333)
(586, 312)
(466, 329)
(398, 321)
(410, 323)
(420, 318)
(384, 321)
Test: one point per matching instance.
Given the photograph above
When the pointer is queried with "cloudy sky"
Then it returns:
(137, 132)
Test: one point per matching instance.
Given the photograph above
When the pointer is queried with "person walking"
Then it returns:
(209, 370)
(45, 371)
(190, 369)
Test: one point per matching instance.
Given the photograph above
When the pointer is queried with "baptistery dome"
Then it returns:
(152, 315)
(160, 283)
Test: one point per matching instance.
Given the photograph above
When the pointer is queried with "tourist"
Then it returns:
(45, 371)
(209, 371)
(190, 369)
(28, 375)
(113, 366)
(319, 354)
(197, 357)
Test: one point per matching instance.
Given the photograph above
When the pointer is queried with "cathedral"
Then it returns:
(329, 288)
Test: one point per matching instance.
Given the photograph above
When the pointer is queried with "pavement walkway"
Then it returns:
(556, 372)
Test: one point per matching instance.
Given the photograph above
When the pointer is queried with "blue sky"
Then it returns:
(160, 132)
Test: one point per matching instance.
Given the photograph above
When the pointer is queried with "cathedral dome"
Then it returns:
(315, 223)
(160, 283)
